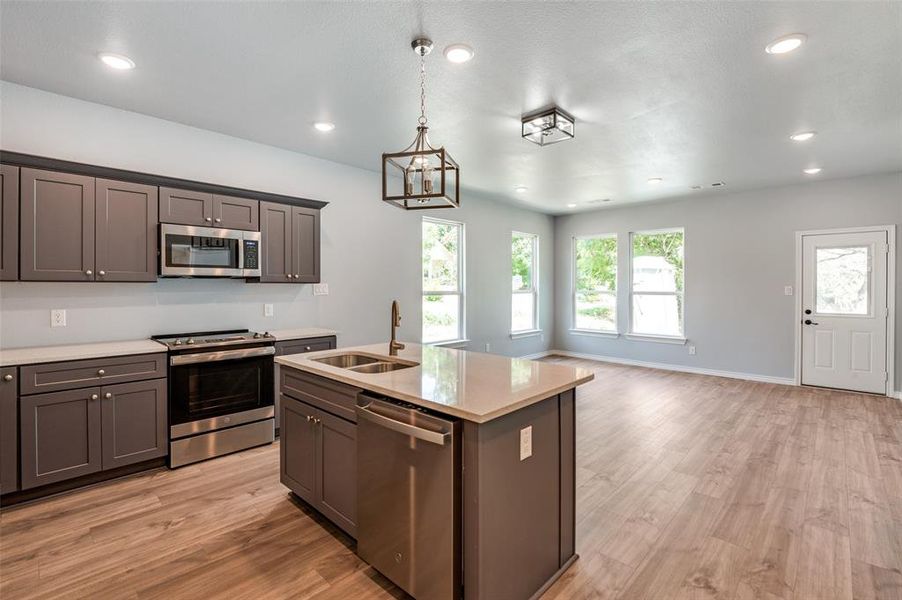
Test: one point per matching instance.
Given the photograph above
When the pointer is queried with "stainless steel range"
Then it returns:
(220, 393)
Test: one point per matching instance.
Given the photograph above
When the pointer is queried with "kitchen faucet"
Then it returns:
(394, 345)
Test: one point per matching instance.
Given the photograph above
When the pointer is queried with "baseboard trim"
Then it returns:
(671, 367)
(898, 394)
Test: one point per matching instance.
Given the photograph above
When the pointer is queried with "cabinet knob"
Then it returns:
(218, 220)
(108, 395)
(296, 276)
(101, 273)
(309, 418)
(101, 372)
(94, 396)
(208, 219)
(307, 348)
(288, 275)
(7, 378)
(89, 272)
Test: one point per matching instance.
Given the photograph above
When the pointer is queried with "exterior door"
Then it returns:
(126, 231)
(845, 310)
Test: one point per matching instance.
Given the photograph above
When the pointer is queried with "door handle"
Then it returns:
(810, 322)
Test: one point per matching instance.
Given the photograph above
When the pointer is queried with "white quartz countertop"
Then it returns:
(300, 333)
(44, 354)
(471, 385)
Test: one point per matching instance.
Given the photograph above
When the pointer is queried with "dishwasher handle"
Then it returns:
(436, 437)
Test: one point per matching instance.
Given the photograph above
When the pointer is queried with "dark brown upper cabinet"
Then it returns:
(9, 223)
(9, 431)
(57, 226)
(126, 231)
(236, 213)
(291, 239)
(184, 207)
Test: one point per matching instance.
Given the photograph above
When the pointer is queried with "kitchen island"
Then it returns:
(476, 498)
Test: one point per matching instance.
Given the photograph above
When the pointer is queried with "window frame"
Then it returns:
(659, 337)
(534, 285)
(574, 277)
(461, 282)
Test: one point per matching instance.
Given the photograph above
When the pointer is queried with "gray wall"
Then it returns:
(370, 250)
(740, 253)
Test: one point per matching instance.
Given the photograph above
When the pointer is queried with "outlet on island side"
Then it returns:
(525, 442)
(58, 317)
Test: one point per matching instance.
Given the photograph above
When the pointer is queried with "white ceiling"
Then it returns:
(682, 91)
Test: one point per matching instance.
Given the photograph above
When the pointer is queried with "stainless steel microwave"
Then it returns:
(189, 251)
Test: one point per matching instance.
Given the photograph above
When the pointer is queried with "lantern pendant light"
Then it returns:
(421, 176)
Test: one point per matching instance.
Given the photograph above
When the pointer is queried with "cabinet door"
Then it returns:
(336, 471)
(57, 231)
(275, 255)
(60, 436)
(9, 223)
(236, 213)
(305, 244)
(297, 449)
(126, 231)
(184, 207)
(9, 427)
(134, 422)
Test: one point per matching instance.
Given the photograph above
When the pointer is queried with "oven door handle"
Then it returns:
(203, 357)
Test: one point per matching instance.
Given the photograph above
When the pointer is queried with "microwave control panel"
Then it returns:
(251, 254)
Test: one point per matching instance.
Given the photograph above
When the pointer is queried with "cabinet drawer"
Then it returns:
(51, 377)
(305, 345)
(330, 396)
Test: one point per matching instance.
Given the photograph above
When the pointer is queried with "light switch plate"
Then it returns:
(525, 442)
(58, 317)
(787, 291)
(692, 350)
(267, 310)
(320, 289)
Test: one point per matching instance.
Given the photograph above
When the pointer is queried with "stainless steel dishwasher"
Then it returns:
(408, 496)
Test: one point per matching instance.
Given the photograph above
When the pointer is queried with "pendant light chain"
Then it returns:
(422, 120)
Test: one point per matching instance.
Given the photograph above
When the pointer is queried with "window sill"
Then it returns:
(526, 333)
(658, 339)
(593, 333)
(449, 343)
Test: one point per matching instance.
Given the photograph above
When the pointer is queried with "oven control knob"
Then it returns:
(257, 335)
(177, 342)
(267, 334)
(190, 341)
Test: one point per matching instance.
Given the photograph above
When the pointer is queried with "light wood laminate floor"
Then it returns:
(688, 487)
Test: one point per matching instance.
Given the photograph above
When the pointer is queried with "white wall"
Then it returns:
(370, 251)
(739, 255)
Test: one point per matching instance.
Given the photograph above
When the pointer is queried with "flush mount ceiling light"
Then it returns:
(119, 62)
(521, 189)
(571, 205)
(547, 126)
(802, 136)
(654, 180)
(785, 44)
(459, 53)
(324, 126)
(416, 169)
(812, 171)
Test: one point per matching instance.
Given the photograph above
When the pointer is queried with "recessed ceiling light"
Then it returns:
(812, 171)
(802, 136)
(654, 180)
(571, 205)
(116, 61)
(520, 189)
(459, 53)
(324, 126)
(785, 44)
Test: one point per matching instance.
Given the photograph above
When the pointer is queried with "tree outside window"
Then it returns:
(443, 304)
(595, 283)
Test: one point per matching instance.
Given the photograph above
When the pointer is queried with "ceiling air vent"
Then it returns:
(718, 184)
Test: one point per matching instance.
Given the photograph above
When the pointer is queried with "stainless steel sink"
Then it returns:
(346, 361)
(382, 367)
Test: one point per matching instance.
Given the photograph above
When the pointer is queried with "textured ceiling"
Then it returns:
(682, 91)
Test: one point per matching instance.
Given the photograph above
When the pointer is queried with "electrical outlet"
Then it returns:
(58, 317)
(787, 291)
(320, 289)
(488, 347)
(267, 310)
(692, 350)
(525, 442)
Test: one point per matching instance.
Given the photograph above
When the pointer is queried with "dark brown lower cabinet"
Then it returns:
(9, 428)
(319, 461)
(60, 436)
(78, 432)
(134, 422)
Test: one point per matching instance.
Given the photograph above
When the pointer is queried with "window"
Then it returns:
(657, 283)
(443, 302)
(524, 271)
(595, 283)
(842, 282)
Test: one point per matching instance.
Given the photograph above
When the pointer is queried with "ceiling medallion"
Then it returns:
(547, 126)
(421, 176)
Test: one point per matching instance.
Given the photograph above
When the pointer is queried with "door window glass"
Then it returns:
(843, 280)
